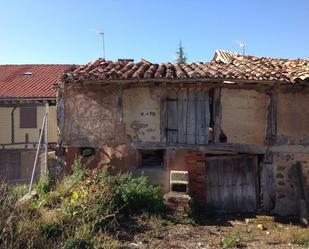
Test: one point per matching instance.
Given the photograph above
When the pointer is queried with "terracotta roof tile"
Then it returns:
(29, 80)
(224, 66)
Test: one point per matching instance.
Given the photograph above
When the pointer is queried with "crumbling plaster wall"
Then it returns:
(286, 191)
(244, 115)
(110, 119)
(141, 113)
(293, 117)
(93, 117)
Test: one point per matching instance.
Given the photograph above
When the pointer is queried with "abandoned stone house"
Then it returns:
(24, 92)
(239, 125)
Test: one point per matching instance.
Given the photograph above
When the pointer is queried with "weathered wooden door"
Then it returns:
(188, 116)
(231, 183)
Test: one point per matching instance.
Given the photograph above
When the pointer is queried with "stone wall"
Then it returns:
(286, 182)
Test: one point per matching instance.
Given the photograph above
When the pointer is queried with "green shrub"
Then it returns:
(79, 172)
(231, 241)
(20, 190)
(43, 186)
(49, 229)
(140, 196)
(300, 239)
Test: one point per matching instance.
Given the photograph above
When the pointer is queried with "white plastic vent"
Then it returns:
(179, 181)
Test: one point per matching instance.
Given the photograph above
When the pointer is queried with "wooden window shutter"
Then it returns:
(28, 117)
(188, 116)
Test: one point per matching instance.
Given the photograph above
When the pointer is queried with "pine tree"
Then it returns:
(181, 57)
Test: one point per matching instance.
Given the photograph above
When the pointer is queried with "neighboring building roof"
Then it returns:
(224, 56)
(224, 66)
(29, 80)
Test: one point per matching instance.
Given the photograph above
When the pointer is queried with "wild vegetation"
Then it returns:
(86, 210)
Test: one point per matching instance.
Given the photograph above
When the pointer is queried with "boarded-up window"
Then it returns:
(152, 158)
(188, 116)
(28, 117)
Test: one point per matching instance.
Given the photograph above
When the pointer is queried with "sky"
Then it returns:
(66, 31)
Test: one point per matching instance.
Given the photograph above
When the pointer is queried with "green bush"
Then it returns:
(43, 186)
(50, 230)
(139, 196)
(300, 239)
(20, 190)
(231, 241)
(79, 172)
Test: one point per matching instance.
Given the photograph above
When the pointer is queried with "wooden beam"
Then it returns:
(222, 147)
(163, 113)
(217, 111)
(271, 131)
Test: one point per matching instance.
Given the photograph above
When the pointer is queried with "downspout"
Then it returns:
(12, 125)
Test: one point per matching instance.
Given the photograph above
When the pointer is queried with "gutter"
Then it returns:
(13, 125)
(26, 98)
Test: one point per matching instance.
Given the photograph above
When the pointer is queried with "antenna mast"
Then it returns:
(103, 43)
(242, 47)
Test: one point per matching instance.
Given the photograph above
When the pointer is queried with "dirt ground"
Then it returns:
(222, 232)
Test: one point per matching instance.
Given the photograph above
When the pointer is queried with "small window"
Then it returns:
(87, 151)
(28, 117)
(152, 158)
(26, 74)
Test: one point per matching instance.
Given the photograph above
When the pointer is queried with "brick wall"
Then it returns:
(193, 162)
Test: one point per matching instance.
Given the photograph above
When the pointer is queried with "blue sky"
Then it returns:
(61, 31)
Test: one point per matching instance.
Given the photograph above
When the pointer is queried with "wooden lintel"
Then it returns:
(221, 147)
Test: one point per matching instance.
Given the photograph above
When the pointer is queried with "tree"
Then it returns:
(181, 57)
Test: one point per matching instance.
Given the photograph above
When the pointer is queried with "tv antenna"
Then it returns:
(101, 33)
(242, 46)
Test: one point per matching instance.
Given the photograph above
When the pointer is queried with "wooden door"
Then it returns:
(231, 183)
(188, 116)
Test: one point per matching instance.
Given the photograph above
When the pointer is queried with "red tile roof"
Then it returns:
(225, 66)
(29, 80)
